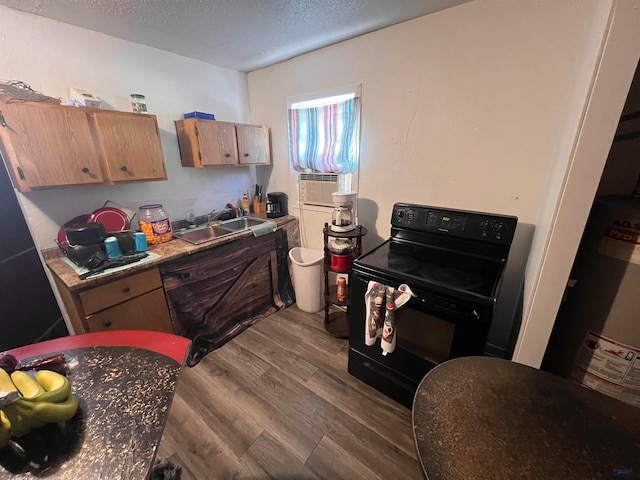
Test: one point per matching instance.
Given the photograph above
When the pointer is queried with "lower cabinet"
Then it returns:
(216, 294)
(146, 312)
(135, 302)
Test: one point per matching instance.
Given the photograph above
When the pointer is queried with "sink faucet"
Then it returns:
(225, 214)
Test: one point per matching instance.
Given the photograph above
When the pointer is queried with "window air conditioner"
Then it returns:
(316, 188)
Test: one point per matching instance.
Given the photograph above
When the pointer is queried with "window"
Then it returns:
(324, 133)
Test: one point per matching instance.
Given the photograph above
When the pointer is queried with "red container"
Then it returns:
(341, 263)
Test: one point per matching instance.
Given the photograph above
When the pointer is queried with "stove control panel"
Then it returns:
(459, 223)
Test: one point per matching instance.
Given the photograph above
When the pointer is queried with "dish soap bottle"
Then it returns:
(245, 203)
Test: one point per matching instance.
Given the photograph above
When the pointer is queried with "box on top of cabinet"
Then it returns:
(84, 98)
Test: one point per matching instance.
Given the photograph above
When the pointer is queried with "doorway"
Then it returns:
(620, 177)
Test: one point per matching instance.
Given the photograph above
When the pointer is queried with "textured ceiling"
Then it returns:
(240, 34)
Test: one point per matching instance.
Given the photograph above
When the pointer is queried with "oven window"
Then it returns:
(424, 335)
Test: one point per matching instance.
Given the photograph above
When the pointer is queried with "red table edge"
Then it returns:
(172, 346)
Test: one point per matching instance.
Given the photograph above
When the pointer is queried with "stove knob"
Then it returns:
(400, 213)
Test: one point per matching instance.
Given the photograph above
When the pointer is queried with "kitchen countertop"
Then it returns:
(170, 250)
(481, 417)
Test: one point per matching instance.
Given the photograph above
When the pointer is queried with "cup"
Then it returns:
(113, 249)
(191, 218)
(141, 241)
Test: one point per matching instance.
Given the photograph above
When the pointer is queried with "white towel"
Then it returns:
(264, 228)
(381, 301)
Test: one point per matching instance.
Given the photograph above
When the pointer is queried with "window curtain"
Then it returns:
(325, 139)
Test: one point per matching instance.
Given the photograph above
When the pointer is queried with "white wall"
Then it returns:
(476, 107)
(52, 56)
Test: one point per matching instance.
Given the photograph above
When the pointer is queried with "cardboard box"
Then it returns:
(84, 98)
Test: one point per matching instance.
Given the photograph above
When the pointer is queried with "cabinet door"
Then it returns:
(130, 145)
(253, 144)
(217, 141)
(147, 312)
(48, 145)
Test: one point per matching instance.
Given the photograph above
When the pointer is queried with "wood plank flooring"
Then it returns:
(277, 402)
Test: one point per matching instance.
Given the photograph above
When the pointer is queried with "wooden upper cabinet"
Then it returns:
(253, 144)
(130, 145)
(217, 143)
(206, 143)
(46, 145)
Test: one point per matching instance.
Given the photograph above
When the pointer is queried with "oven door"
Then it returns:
(430, 329)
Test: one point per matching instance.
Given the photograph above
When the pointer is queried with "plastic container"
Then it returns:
(202, 115)
(138, 103)
(307, 278)
(341, 263)
(155, 223)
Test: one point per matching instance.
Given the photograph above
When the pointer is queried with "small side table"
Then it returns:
(337, 323)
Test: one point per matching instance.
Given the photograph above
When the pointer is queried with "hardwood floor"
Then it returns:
(277, 402)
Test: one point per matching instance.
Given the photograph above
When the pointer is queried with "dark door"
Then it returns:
(28, 309)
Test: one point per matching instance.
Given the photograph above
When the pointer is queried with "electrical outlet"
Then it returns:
(342, 275)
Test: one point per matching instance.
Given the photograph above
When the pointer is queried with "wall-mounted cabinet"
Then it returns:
(47, 145)
(206, 143)
(130, 145)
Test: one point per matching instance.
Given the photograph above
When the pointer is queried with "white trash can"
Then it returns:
(307, 278)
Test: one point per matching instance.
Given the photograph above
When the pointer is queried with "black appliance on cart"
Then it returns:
(466, 270)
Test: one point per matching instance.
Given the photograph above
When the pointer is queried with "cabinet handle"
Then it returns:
(126, 289)
(107, 324)
(85, 170)
(227, 154)
(123, 168)
(246, 154)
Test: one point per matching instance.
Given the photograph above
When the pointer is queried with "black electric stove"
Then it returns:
(468, 285)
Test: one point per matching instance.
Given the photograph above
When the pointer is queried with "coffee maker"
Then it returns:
(277, 204)
(343, 216)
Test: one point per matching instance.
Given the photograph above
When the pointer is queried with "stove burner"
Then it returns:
(451, 277)
(401, 263)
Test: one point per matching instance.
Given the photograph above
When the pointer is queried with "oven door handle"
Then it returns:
(451, 312)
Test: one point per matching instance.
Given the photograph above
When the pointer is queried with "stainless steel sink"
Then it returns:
(206, 233)
(203, 234)
(241, 223)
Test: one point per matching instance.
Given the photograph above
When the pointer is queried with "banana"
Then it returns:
(5, 430)
(21, 421)
(27, 386)
(47, 399)
(57, 387)
(50, 412)
(6, 385)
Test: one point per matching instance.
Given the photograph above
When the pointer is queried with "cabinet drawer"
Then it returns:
(146, 312)
(120, 291)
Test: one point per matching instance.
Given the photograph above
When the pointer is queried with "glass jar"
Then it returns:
(155, 223)
(138, 103)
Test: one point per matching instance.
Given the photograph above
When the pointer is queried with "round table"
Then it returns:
(125, 382)
(481, 417)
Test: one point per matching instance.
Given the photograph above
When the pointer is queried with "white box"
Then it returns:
(84, 98)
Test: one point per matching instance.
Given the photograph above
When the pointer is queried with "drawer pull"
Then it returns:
(126, 289)
(107, 324)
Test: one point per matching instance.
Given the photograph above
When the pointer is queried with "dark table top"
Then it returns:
(125, 383)
(481, 417)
